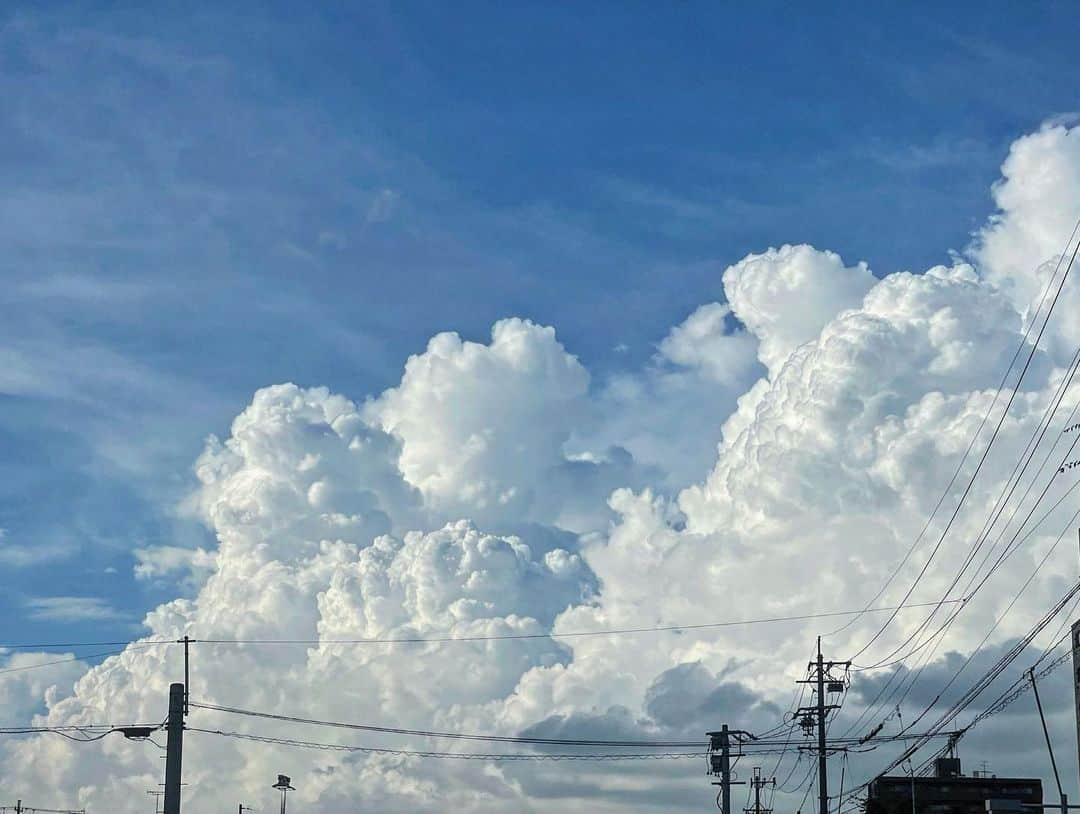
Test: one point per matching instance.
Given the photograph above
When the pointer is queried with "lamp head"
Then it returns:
(283, 783)
(136, 733)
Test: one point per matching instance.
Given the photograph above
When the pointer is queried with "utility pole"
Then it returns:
(720, 762)
(821, 676)
(1076, 676)
(157, 795)
(758, 783)
(1049, 747)
(187, 667)
(174, 749)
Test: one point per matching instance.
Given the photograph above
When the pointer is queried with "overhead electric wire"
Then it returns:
(1019, 687)
(997, 621)
(981, 684)
(1009, 549)
(59, 645)
(938, 636)
(984, 682)
(70, 659)
(997, 428)
(795, 768)
(81, 733)
(749, 747)
(796, 702)
(496, 756)
(791, 725)
(809, 788)
(1066, 382)
(554, 634)
(912, 677)
(135, 643)
(967, 452)
(446, 735)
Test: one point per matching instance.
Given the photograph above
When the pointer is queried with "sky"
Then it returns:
(572, 278)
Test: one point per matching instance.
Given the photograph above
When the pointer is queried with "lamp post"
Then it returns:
(283, 783)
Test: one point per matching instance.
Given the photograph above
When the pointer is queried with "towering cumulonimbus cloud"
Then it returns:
(786, 296)
(497, 492)
(483, 430)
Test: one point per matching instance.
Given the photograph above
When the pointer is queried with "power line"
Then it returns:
(135, 643)
(756, 746)
(981, 684)
(70, 659)
(447, 735)
(1000, 618)
(59, 645)
(497, 756)
(937, 638)
(994, 434)
(912, 677)
(1014, 691)
(1010, 548)
(559, 634)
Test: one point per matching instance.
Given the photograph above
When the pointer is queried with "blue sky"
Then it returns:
(198, 204)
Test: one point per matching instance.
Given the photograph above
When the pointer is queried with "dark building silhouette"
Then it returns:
(947, 791)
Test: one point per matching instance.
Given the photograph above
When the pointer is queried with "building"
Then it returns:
(947, 791)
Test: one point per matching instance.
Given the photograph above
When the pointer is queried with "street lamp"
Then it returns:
(283, 783)
(136, 733)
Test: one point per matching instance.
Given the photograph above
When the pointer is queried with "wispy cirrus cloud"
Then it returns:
(72, 609)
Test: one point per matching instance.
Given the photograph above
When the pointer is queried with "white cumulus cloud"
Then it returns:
(776, 457)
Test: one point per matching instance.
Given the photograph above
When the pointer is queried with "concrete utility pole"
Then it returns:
(725, 768)
(720, 762)
(1049, 746)
(821, 676)
(758, 784)
(187, 668)
(1076, 676)
(174, 749)
(823, 766)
